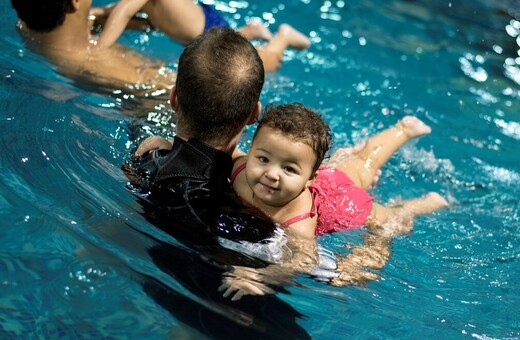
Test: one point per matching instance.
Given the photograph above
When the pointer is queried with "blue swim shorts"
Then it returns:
(213, 17)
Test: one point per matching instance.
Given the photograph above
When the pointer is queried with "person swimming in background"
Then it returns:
(60, 30)
(183, 20)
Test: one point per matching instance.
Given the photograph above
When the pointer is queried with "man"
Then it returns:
(220, 77)
(60, 30)
(186, 192)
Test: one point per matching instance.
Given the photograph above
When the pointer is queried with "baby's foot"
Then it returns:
(295, 39)
(413, 126)
(255, 29)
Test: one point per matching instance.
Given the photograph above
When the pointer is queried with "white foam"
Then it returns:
(272, 250)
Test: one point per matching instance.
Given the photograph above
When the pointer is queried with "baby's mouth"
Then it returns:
(268, 188)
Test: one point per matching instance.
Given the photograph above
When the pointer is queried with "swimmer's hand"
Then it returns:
(153, 143)
(243, 281)
(99, 15)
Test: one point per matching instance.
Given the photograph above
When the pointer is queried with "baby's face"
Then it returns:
(278, 168)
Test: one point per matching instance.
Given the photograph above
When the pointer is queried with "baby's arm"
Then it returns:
(304, 229)
(118, 19)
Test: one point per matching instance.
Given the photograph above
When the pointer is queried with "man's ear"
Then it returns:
(253, 118)
(173, 98)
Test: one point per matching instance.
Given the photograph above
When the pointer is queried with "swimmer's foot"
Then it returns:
(255, 29)
(413, 127)
(294, 38)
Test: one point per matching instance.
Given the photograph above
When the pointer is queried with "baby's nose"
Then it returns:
(272, 174)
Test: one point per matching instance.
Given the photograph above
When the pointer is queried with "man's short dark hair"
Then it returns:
(219, 80)
(42, 15)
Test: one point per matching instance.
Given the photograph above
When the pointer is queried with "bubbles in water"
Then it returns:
(475, 72)
(511, 129)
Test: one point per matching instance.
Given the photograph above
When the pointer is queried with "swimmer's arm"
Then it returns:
(98, 17)
(153, 143)
(118, 19)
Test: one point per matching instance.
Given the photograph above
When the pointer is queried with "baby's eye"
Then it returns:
(290, 169)
(263, 159)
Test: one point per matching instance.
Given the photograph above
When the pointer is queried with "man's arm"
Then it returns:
(118, 19)
(372, 255)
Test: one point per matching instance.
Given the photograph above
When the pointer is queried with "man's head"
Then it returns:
(42, 15)
(220, 77)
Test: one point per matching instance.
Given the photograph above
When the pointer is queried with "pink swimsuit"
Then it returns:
(338, 201)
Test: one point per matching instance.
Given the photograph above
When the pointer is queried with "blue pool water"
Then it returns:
(74, 258)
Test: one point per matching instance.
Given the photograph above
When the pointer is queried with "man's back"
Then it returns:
(190, 184)
(60, 30)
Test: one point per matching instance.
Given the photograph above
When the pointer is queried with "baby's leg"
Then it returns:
(363, 166)
(391, 221)
(272, 52)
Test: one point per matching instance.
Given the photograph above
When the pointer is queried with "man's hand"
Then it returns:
(153, 143)
(243, 281)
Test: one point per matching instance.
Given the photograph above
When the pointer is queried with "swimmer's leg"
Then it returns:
(255, 29)
(272, 52)
(366, 164)
(181, 20)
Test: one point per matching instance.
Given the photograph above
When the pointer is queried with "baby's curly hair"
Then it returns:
(302, 124)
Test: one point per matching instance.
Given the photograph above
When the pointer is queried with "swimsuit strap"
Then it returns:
(238, 170)
(303, 216)
(298, 218)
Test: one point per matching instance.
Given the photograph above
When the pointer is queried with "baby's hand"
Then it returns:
(153, 143)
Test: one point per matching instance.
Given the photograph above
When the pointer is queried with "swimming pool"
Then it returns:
(74, 260)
